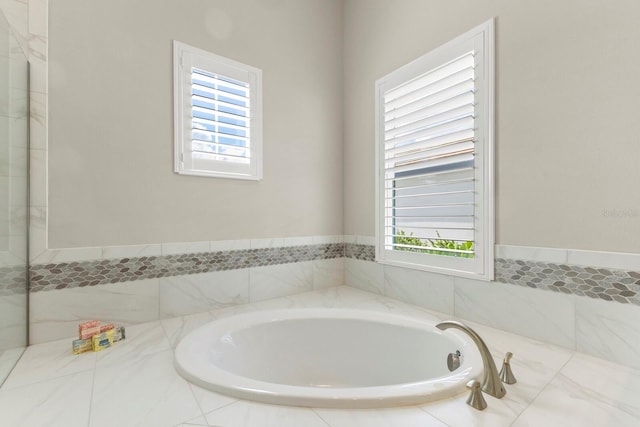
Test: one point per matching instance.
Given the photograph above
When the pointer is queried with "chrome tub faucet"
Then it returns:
(491, 383)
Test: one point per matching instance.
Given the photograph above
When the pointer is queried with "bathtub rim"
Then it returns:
(227, 383)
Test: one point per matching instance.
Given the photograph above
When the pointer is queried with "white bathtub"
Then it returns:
(326, 358)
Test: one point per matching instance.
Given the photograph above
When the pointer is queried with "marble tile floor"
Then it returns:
(134, 383)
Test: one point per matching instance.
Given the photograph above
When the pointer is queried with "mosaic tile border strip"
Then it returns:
(606, 284)
(13, 280)
(66, 275)
(360, 251)
(600, 283)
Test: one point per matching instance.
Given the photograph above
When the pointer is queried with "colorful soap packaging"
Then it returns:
(118, 334)
(88, 329)
(80, 346)
(107, 327)
(94, 336)
(102, 340)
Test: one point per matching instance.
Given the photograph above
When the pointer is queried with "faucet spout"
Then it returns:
(491, 383)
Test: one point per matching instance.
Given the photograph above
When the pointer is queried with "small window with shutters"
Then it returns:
(218, 117)
(434, 155)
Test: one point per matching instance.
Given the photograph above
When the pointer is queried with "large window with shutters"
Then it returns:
(218, 117)
(434, 155)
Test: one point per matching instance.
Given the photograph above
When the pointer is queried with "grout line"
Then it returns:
(423, 409)
(222, 407)
(10, 388)
(573, 353)
(195, 398)
(93, 385)
(166, 334)
(8, 374)
(320, 416)
(159, 313)
(575, 323)
(250, 294)
(384, 289)
(455, 293)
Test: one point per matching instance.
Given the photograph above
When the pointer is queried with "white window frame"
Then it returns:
(481, 266)
(184, 58)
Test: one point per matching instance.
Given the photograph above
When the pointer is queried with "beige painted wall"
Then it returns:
(568, 102)
(111, 179)
(567, 107)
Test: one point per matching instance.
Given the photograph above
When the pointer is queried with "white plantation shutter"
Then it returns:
(218, 115)
(220, 119)
(429, 148)
(434, 155)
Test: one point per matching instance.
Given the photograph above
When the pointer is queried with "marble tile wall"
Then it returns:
(55, 315)
(45, 277)
(16, 13)
(34, 38)
(583, 319)
(13, 181)
(13, 318)
(13, 280)
(145, 288)
(237, 272)
(601, 283)
(13, 134)
(609, 284)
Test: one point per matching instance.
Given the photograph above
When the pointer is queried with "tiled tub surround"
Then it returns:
(13, 317)
(68, 275)
(360, 251)
(134, 383)
(601, 320)
(13, 280)
(607, 284)
(13, 311)
(138, 289)
(181, 279)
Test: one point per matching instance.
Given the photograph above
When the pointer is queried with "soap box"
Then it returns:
(88, 329)
(118, 334)
(80, 346)
(103, 340)
(107, 327)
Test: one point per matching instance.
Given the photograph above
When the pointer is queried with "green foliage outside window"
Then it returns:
(403, 239)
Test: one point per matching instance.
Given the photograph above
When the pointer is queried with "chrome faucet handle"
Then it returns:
(506, 374)
(453, 360)
(491, 383)
(476, 399)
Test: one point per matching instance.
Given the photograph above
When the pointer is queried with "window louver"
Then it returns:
(220, 118)
(428, 160)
